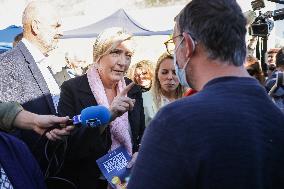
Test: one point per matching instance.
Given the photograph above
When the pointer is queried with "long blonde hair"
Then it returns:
(156, 87)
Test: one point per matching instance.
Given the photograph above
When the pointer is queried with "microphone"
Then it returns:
(93, 116)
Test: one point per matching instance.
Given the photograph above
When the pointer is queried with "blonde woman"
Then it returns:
(143, 74)
(166, 87)
(104, 84)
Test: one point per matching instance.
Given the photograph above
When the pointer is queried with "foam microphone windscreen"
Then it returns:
(94, 116)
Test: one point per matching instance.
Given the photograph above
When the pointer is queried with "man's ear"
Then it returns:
(35, 27)
(189, 44)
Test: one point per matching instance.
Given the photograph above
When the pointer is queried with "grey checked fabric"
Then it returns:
(20, 78)
(4, 180)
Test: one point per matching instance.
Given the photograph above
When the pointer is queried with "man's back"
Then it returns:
(229, 135)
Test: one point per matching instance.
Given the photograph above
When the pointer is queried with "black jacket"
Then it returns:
(87, 144)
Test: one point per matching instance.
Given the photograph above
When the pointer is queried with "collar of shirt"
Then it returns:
(43, 67)
(35, 52)
(164, 100)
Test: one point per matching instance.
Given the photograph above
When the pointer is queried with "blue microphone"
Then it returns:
(93, 116)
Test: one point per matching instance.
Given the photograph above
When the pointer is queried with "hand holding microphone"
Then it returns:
(42, 123)
(93, 116)
(121, 103)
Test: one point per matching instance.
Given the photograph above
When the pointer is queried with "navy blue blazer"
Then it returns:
(19, 164)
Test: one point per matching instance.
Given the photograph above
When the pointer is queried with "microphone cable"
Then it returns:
(58, 162)
(54, 156)
(41, 139)
(64, 180)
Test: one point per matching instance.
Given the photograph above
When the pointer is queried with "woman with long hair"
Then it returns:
(165, 89)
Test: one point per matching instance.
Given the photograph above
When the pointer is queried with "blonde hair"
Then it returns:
(146, 64)
(108, 40)
(156, 87)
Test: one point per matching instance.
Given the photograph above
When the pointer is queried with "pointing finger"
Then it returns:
(126, 89)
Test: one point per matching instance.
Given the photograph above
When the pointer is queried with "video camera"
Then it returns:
(262, 25)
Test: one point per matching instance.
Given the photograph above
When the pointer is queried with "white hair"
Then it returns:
(34, 11)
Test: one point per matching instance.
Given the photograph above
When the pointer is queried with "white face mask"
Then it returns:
(180, 72)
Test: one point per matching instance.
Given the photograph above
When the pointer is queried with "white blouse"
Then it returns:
(150, 108)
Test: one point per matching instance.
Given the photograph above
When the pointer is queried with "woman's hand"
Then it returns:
(118, 184)
(132, 161)
(121, 103)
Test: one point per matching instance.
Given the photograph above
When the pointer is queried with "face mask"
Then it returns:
(180, 72)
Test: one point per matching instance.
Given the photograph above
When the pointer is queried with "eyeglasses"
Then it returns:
(170, 46)
(141, 74)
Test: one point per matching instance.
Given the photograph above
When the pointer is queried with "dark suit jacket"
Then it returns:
(19, 164)
(86, 144)
(22, 81)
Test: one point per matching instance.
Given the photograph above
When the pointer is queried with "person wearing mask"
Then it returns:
(229, 134)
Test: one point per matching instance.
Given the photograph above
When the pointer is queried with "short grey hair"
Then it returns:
(33, 11)
(219, 25)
